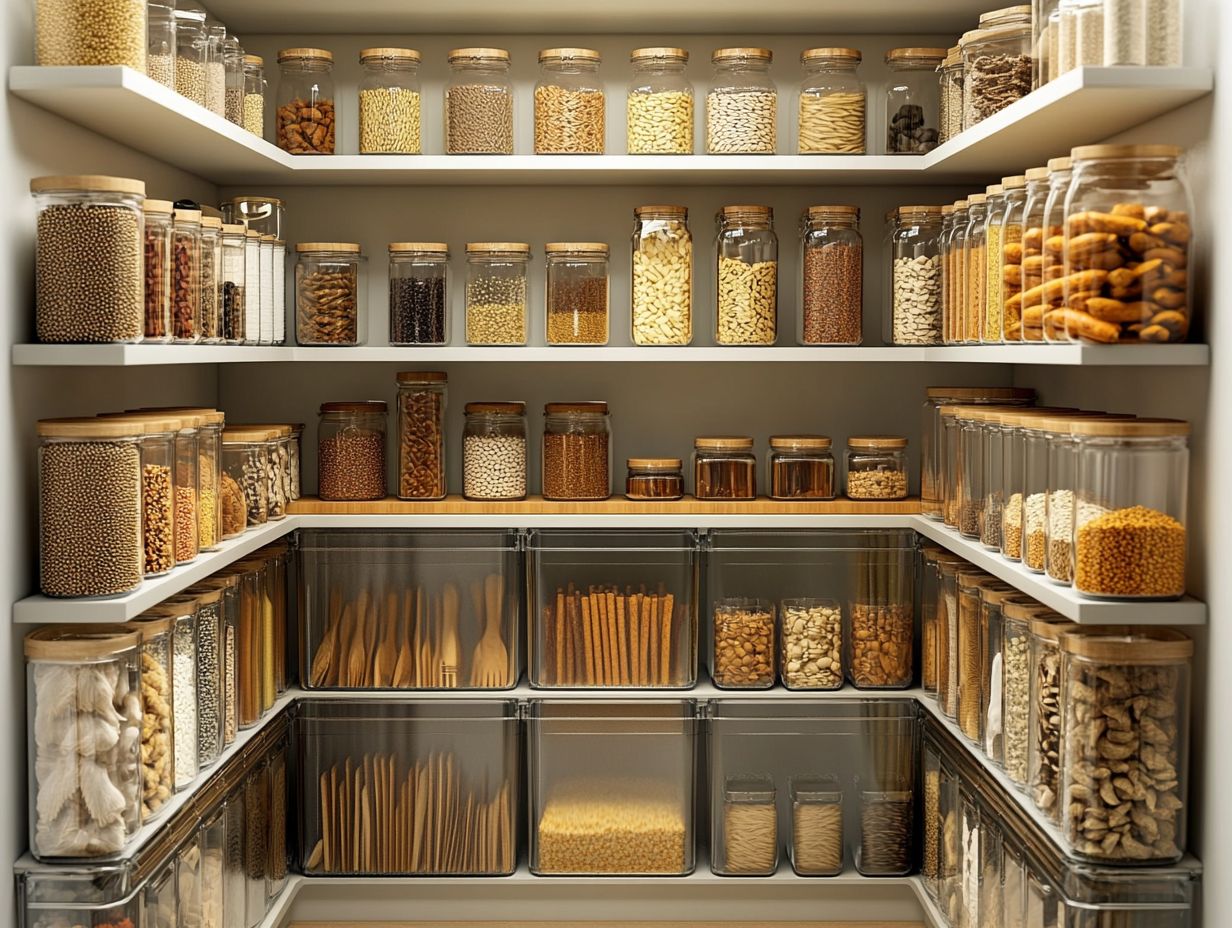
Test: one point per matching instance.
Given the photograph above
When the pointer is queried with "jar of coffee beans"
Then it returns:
(351, 450)
(421, 434)
(577, 451)
(494, 451)
(418, 293)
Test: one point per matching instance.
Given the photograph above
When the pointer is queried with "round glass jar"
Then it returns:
(233, 76)
(876, 467)
(254, 95)
(305, 120)
(659, 105)
(186, 276)
(577, 451)
(479, 103)
(245, 490)
(831, 276)
(421, 434)
(724, 467)
(351, 451)
(69, 33)
(192, 51)
(833, 101)
(157, 265)
(800, 467)
(576, 298)
(329, 294)
(389, 102)
(951, 72)
(742, 103)
(569, 103)
(746, 275)
(295, 450)
(211, 280)
(160, 43)
(654, 479)
(996, 69)
(496, 275)
(1044, 304)
(915, 277)
(662, 275)
(494, 451)
(418, 293)
(912, 100)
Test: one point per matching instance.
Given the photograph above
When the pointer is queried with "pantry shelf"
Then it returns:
(704, 690)
(135, 110)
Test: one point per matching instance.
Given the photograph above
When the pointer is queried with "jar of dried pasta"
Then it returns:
(833, 100)
(569, 103)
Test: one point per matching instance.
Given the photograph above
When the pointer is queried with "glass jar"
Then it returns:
(209, 467)
(157, 714)
(800, 467)
(881, 628)
(812, 644)
(943, 246)
(833, 101)
(215, 67)
(742, 103)
(496, 292)
(277, 477)
(1034, 444)
(421, 434)
(210, 670)
(158, 493)
(975, 265)
(157, 263)
(1034, 258)
(746, 272)
(1106, 675)
(232, 292)
(971, 472)
(1010, 260)
(68, 33)
(953, 310)
(160, 43)
(577, 453)
(329, 294)
(245, 493)
(1015, 680)
(948, 566)
(654, 479)
(1048, 299)
(211, 277)
(351, 451)
(831, 276)
(1059, 500)
(930, 583)
(85, 678)
(186, 276)
(306, 107)
(187, 488)
(250, 652)
(970, 584)
(750, 827)
(389, 102)
(254, 95)
(912, 101)
(192, 52)
(659, 105)
(816, 826)
(951, 464)
(994, 220)
(1044, 739)
(887, 831)
(267, 290)
(662, 275)
(992, 669)
(229, 585)
(876, 467)
(479, 103)
(743, 642)
(233, 78)
(295, 452)
(182, 612)
(577, 293)
(88, 258)
(951, 90)
(1080, 36)
(992, 467)
(418, 293)
(569, 103)
(915, 277)
(996, 69)
(1164, 31)
(252, 287)
(724, 467)
(280, 292)
(494, 451)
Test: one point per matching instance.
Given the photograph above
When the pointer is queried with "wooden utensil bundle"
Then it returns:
(604, 637)
(381, 816)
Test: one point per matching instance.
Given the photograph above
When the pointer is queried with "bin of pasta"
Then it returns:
(613, 609)
(329, 294)
(577, 293)
(876, 467)
(569, 103)
(747, 256)
(742, 654)
(496, 293)
(612, 787)
(351, 450)
(659, 105)
(831, 276)
(816, 846)
(494, 451)
(833, 101)
(662, 276)
(421, 434)
(748, 825)
(800, 467)
(479, 103)
(742, 104)
(881, 627)
(724, 467)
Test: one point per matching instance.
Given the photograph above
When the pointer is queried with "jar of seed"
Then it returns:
(187, 487)
(389, 102)
(479, 103)
(209, 468)
(801, 467)
(215, 68)
(88, 258)
(157, 270)
(569, 103)
(418, 293)
(232, 296)
(351, 451)
(254, 95)
(211, 270)
(876, 467)
(67, 32)
(186, 276)
(662, 276)
(233, 79)
(494, 451)
(577, 293)
(831, 276)
(158, 493)
(912, 100)
(577, 451)
(915, 277)
(654, 479)
(160, 43)
(192, 50)
(724, 467)
(742, 105)
(816, 826)
(245, 491)
(659, 106)
(747, 266)
(421, 434)
(833, 100)
(496, 292)
(329, 294)
(305, 121)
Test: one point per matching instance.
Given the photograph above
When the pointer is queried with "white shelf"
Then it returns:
(1084, 105)
(704, 690)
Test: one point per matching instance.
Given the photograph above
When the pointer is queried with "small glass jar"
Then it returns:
(232, 307)
(915, 277)
(210, 670)
(1044, 738)
(496, 275)
(1013, 478)
(992, 469)
(951, 461)
(831, 276)
(750, 827)
(418, 293)
(233, 75)
(157, 255)
(743, 650)
(943, 245)
(329, 294)
(833, 100)
(192, 50)
(934, 830)
(811, 639)
(742, 104)
(662, 276)
(1059, 501)
(876, 467)
(997, 68)
(576, 298)
(215, 67)
(724, 467)
(88, 259)
(951, 104)
(569, 103)
(351, 451)
(975, 263)
(160, 43)
(912, 101)
(577, 452)
(494, 451)
(421, 434)
(816, 826)
(157, 714)
(800, 467)
(267, 290)
(211, 280)
(746, 275)
(953, 311)
(305, 121)
(68, 33)
(254, 95)
(186, 276)
(389, 102)
(479, 103)
(654, 479)
(1010, 260)
(252, 287)
(659, 105)
(245, 494)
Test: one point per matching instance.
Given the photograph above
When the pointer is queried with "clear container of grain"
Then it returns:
(182, 612)
(192, 50)
(948, 566)
(1010, 261)
(496, 274)
(930, 586)
(186, 276)
(418, 293)
(1036, 261)
(971, 474)
(187, 488)
(160, 43)
(494, 451)
(662, 275)
(742, 103)
(157, 270)
(577, 293)
(233, 284)
(158, 492)
(1044, 724)
(801, 467)
(254, 95)
(659, 104)
(577, 454)
(650, 479)
(330, 287)
(305, 122)
(569, 103)
(157, 715)
(72, 32)
(421, 434)
(215, 67)
(833, 100)
(211, 280)
(994, 220)
(1015, 679)
(831, 277)
(724, 467)
(876, 467)
(951, 72)
(970, 651)
(351, 450)
(479, 103)
(389, 102)
(746, 276)
(245, 493)
(975, 265)
(816, 846)
(1034, 491)
(743, 651)
(82, 682)
(277, 440)
(912, 100)
(886, 831)
(88, 258)
(914, 283)
(997, 67)
(748, 840)
(210, 672)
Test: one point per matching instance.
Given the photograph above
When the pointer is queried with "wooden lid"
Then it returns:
(102, 183)
(993, 190)
(267, 239)
(252, 233)
(499, 408)
(584, 408)
(578, 247)
(245, 434)
(403, 54)
(460, 54)
(150, 422)
(876, 442)
(1089, 152)
(275, 429)
(206, 414)
(1062, 163)
(411, 247)
(79, 642)
(903, 54)
(1037, 174)
(1134, 645)
(981, 393)
(833, 212)
(836, 54)
(947, 209)
(1065, 422)
(187, 215)
(960, 205)
(421, 377)
(648, 54)
(975, 199)
(1050, 627)
(490, 247)
(1017, 417)
(297, 54)
(569, 54)
(654, 463)
(256, 60)
(205, 595)
(756, 213)
(800, 442)
(973, 576)
(209, 222)
(162, 207)
(921, 212)
(1014, 183)
(996, 593)
(151, 625)
(1130, 428)
(355, 406)
(738, 52)
(349, 247)
(723, 443)
(231, 228)
(661, 212)
(118, 427)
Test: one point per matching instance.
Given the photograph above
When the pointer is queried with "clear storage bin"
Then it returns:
(930, 813)
(418, 293)
(351, 450)
(577, 454)
(496, 293)
(159, 897)
(831, 276)
(969, 650)
(1044, 739)
(997, 68)
(724, 467)
(93, 895)
(494, 451)
(654, 479)
(746, 276)
(254, 95)
(833, 100)
(389, 102)
(912, 100)
(613, 609)
(1045, 302)
(800, 467)
(887, 828)
(949, 895)
(659, 104)
(479, 103)
(268, 324)
(182, 611)
(421, 434)
(305, 119)
(157, 493)
(252, 287)
(817, 846)
(611, 787)
(880, 635)
(70, 32)
(576, 293)
(255, 841)
(948, 566)
(876, 467)
(915, 277)
(157, 755)
(157, 278)
(742, 104)
(295, 463)
(409, 609)
(662, 276)
(747, 838)
(329, 294)
(743, 653)
(569, 103)
(186, 276)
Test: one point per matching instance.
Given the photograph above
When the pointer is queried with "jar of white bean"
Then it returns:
(494, 451)
(742, 105)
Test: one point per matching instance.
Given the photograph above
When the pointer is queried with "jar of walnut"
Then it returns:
(743, 655)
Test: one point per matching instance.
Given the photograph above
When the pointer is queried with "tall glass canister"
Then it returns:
(659, 105)
(833, 100)
(662, 276)
(831, 277)
(742, 104)
(746, 275)
(912, 100)
(915, 277)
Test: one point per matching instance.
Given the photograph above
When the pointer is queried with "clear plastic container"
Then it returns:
(994, 219)
(496, 274)
(254, 95)
(329, 294)
(157, 756)
(182, 611)
(389, 102)
(887, 831)
(953, 301)
(833, 100)
(351, 450)
(816, 847)
(951, 105)
(233, 284)
(801, 467)
(255, 841)
(880, 633)
(662, 276)
(912, 100)
(831, 276)
(186, 281)
(746, 276)
(577, 454)
(742, 103)
(192, 52)
(915, 275)
(651, 479)
(305, 120)
(992, 466)
(569, 103)
(724, 467)
(970, 650)
(659, 103)
(159, 896)
(997, 67)
(68, 32)
(948, 567)
(1029, 319)
(930, 588)
(1048, 297)
(1011, 261)
(576, 297)
(245, 489)
(295, 462)
(421, 434)
(158, 264)
(745, 838)
(975, 268)
(949, 889)
(932, 834)
(418, 293)
(971, 471)
(211, 671)
(84, 894)
(1016, 616)
(1044, 738)
(743, 651)
(158, 494)
(494, 451)
(479, 103)
(876, 467)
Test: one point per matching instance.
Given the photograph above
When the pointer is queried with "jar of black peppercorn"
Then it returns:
(351, 451)
(418, 293)
(724, 467)
(577, 451)
(801, 467)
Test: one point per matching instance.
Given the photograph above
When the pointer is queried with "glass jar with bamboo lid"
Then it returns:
(801, 467)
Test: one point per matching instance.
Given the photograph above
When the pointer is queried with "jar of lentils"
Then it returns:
(351, 450)
(742, 105)
(389, 110)
(577, 451)
(915, 276)
(747, 266)
(662, 276)
(305, 121)
(418, 293)
(833, 101)
(421, 434)
(724, 467)
(329, 294)
(801, 467)
(577, 293)
(479, 103)
(659, 106)
(494, 451)
(652, 479)
(496, 292)
(876, 467)
(569, 103)
(831, 276)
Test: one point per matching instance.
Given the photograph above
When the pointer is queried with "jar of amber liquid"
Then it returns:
(801, 467)
(654, 479)
(724, 468)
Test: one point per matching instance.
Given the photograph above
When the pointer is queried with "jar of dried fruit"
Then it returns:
(306, 114)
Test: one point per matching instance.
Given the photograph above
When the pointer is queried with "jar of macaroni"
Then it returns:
(662, 274)
(659, 106)
(747, 265)
(389, 102)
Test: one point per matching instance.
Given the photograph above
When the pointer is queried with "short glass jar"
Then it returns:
(1044, 721)
(157, 255)
(351, 450)
(746, 275)
(305, 121)
(912, 100)
(831, 277)
(576, 295)
(245, 490)
(192, 49)
(494, 451)
(951, 72)
(421, 434)
(833, 100)
(254, 95)
(876, 467)
(724, 467)
(329, 294)
(389, 102)
(418, 293)
(569, 103)
(915, 277)
(211, 280)
(160, 43)
(654, 479)
(577, 451)
(266, 215)
(186, 276)
(742, 104)
(233, 284)
(659, 105)
(744, 653)
(997, 68)
(662, 276)
(479, 103)
(496, 275)
(800, 467)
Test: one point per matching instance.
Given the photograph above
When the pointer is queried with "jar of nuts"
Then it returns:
(305, 121)
(479, 103)
(158, 270)
(659, 106)
(812, 644)
(746, 273)
(255, 86)
(389, 110)
(742, 105)
(833, 101)
(743, 649)
(245, 490)
(876, 467)
(421, 434)
(496, 292)
(329, 294)
(724, 467)
(831, 277)
(569, 103)
(351, 450)
(662, 276)
(577, 293)
(494, 451)
(577, 453)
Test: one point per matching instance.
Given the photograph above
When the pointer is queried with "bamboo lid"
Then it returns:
(756, 213)
(1130, 428)
(209, 222)
(101, 183)
(244, 435)
(421, 377)
(996, 593)
(412, 247)
(355, 406)
(1137, 645)
(980, 393)
(739, 52)
(150, 421)
(350, 247)
(833, 212)
(661, 212)
(902, 54)
(723, 443)
(187, 215)
(581, 247)
(79, 642)
(461, 54)
(993, 190)
(569, 54)
(1090, 152)
(909, 212)
(976, 199)
(401, 54)
(275, 429)
(151, 625)
(1063, 163)
(500, 408)
(89, 428)
(583, 408)
(851, 55)
(1015, 182)
(161, 207)
(800, 442)
(255, 60)
(876, 442)
(657, 52)
(303, 54)
(1050, 627)
(490, 247)
(654, 463)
